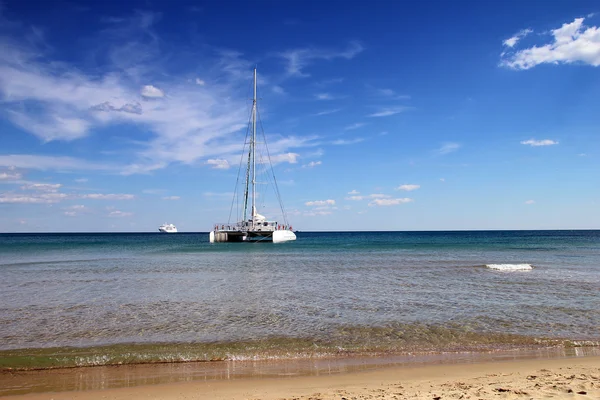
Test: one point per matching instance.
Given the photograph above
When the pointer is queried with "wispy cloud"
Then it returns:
(536, 143)
(218, 163)
(291, 158)
(75, 210)
(319, 203)
(386, 93)
(187, 121)
(119, 214)
(110, 196)
(571, 43)
(355, 126)
(447, 148)
(512, 41)
(151, 92)
(389, 202)
(278, 90)
(326, 112)
(408, 188)
(324, 96)
(171, 198)
(344, 142)
(60, 163)
(312, 164)
(298, 59)
(356, 197)
(529, 202)
(10, 174)
(56, 197)
(354, 192)
(388, 111)
(42, 187)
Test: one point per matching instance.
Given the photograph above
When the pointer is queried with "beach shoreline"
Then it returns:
(452, 377)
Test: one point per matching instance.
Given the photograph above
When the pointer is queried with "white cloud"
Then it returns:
(510, 42)
(319, 203)
(572, 43)
(353, 192)
(408, 188)
(42, 187)
(111, 196)
(354, 126)
(36, 198)
(81, 180)
(530, 202)
(371, 196)
(10, 176)
(171, 198)
(389, 202)
(342, 142)
(151, 92)
(200, 82)
(536, 143)
(119, 214)
(448, 148)
(291, 158)
(218, 164)
(326, 112)
(42, 193)
(298, 59)
(312, 164)
(386, 112)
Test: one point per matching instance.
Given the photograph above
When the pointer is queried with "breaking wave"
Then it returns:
(510, 267)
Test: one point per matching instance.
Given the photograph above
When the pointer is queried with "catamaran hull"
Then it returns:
(283, 236)
(238, 236)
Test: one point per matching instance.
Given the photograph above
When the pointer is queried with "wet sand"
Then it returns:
(562, 378)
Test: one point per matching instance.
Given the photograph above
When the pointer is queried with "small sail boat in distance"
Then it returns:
(254, 227)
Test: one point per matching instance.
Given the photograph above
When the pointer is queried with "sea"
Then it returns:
(97, 299)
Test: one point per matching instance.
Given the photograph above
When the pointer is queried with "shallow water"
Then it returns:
(326, 292)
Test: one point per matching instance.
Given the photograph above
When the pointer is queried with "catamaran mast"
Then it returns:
(253, 146)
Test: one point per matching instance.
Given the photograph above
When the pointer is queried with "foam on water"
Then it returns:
(510, 267)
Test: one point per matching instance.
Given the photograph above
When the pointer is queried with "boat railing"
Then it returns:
(266, 226)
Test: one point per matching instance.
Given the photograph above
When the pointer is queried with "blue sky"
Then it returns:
(393, 115)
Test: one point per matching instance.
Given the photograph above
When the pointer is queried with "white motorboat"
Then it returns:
(167, 228)
(250, 225)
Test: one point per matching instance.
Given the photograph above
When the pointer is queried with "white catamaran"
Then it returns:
(253, 227)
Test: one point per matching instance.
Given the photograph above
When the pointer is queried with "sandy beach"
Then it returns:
(524, 379)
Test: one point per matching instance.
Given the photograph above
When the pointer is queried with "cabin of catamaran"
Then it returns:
(254, 227)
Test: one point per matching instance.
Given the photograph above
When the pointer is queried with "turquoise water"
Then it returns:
(156, 297)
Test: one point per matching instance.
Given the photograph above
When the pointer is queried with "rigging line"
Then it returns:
(272, 171)
(238, 176)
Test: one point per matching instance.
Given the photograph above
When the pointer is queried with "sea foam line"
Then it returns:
(510, 267)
